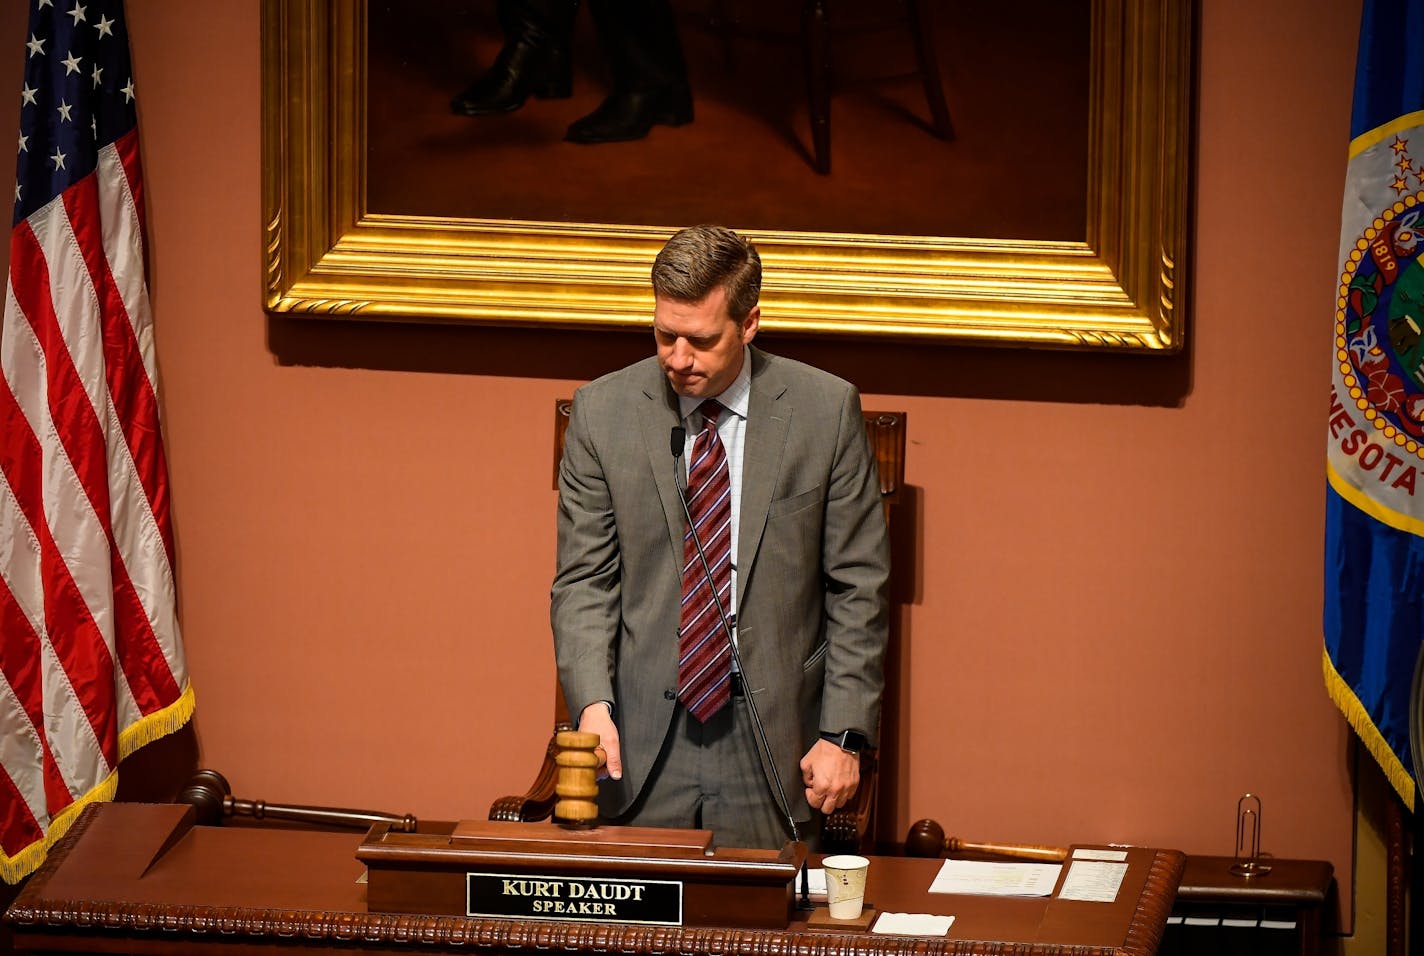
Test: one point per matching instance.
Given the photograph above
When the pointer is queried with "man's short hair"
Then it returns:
(699, 259)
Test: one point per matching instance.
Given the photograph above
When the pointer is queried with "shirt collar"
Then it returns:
(737, 396)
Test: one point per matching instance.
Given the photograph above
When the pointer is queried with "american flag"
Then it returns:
(91, 663)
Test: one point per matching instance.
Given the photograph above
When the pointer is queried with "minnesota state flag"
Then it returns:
(1374, 512)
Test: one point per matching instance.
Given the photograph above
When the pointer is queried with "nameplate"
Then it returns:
(524, 896)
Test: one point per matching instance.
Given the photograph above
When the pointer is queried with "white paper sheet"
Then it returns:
(1093, 853)
(979, 878)
(912, 924)
(1096, 881)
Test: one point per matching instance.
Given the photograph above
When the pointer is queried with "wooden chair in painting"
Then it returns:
(816, 41)
(848, 829)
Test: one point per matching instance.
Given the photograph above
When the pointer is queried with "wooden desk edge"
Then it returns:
(32, 918)
(1290, 883)
(1149, 923)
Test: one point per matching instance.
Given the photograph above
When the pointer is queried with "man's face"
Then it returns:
(699, 345)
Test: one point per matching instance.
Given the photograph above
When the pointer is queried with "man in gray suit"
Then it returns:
(806, 594)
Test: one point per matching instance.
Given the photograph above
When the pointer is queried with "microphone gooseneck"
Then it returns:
(677, 440)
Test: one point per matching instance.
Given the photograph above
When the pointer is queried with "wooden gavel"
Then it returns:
(926, 838)
(209, 793)
(578, 760)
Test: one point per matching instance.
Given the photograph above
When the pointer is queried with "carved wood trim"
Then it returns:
(1149, 922)
(563, 408)
(538, 801)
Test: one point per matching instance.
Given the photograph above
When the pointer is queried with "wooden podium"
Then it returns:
(542, 871)
(142, 878)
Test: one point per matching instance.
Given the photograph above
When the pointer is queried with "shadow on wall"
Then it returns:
(877, 367)
(157, 772)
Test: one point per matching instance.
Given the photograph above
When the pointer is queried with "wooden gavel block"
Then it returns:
(577, 782)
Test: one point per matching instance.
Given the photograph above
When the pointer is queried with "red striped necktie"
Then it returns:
(704, 656)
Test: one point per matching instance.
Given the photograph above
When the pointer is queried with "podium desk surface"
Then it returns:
(140, 878)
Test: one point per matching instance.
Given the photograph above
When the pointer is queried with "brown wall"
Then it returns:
(1113, 627)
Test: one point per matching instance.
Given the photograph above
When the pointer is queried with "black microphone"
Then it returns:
(677, 441)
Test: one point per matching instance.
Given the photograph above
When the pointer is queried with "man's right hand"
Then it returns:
(598, 719)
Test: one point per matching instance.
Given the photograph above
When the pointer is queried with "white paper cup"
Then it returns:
(845, 885)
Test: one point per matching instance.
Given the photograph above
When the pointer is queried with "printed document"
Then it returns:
(1096, 881)
(977, 878)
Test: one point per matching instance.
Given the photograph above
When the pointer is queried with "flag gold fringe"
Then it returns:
(1359, 718)
(158, 724)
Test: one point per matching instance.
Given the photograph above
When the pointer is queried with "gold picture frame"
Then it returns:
(1122, 288)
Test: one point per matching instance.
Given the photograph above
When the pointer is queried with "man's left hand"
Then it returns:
(831, 776)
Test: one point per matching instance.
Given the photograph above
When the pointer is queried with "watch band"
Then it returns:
(851, 741)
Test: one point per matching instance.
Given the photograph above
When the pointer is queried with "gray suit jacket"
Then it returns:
(813, 564)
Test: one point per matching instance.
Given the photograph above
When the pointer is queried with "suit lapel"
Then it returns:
(656, 418)
(768, 422)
